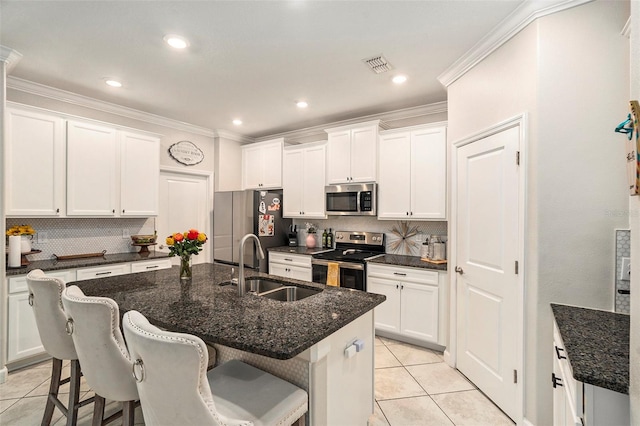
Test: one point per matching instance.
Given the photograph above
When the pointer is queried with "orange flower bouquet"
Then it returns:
(185, 245)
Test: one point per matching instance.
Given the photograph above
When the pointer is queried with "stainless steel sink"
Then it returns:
(261, 285)
(289, 293)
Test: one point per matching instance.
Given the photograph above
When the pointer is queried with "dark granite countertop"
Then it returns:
(216, 314)
(54, 265)
(412, 261)
(597, 345)
(298, 250)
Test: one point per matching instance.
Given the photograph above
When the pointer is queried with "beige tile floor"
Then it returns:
(413, 387)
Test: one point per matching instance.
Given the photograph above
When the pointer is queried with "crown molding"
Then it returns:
(233, 136)
(319, 130)
(527, 12)
(10, 57)
(108, 107)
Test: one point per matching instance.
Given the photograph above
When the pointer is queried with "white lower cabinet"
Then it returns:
(413, 306)
(296, 266)
(581, 404)
(23, 339)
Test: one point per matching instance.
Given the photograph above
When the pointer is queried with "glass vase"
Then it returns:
(185, 268)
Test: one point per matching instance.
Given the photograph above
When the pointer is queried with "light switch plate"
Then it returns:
(625, 271)
(125, 234)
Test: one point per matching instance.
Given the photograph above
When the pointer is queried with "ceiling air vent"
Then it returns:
(378, 64)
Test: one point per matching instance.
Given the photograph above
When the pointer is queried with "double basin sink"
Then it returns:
(275, 290)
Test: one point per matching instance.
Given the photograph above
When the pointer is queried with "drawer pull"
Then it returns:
(103, 273)
(288, 260)
(560, 356)
(401, 274)
(152, 267)
(557, 381)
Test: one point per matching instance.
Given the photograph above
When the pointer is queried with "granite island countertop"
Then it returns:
(411, 261)
(597, 345)
(216, 314)
(55, 265)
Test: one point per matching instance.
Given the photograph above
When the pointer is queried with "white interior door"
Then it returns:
(487, 248)
(185, 203)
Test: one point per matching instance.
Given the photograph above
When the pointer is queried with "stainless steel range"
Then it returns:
(352, 251)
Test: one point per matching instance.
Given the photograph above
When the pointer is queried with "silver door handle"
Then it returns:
(459, 270)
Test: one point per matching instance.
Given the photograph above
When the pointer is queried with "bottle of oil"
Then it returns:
(324, 238)
(330, 239)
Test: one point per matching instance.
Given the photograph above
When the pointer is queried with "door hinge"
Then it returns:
(515, 376)
(517, 158)
(516, 267)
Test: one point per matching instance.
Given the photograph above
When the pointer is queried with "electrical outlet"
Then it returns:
(42, 237)
(125, 234)
(625, 271)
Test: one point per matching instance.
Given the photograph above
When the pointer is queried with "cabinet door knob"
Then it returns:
(459, 270)
(407, 213)
(57, 210)
(122, 210)
(113, 211)
(397, 286)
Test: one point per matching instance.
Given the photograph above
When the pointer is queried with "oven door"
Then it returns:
(352, 275)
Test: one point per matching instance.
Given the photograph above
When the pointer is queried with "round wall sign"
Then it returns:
(186, 153)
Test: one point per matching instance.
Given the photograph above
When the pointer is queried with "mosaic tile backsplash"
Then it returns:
(623, 249)
(70, 236)
(372, 224)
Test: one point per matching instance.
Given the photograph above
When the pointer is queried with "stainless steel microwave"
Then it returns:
(351, 199)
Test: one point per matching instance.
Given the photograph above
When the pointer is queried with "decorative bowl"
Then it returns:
(143, 239)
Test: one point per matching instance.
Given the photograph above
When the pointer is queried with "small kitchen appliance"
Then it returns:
(353, 249)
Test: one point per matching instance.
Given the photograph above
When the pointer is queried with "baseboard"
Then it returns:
(449, 359)
(412, 341)
(526, 422)
(3, 374)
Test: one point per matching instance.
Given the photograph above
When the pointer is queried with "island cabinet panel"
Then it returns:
(582, 404)
(262, 165)
(352, 153)
(23, 338)
(412, 174)
(414, 305)
(290, 266)
(92, 170)
(35, 164)
(303, 181)
(140, 174)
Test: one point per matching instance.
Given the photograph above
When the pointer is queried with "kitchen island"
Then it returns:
(303, 342)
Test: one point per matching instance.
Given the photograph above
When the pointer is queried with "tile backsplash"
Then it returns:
(77, 236)
(623, 249)
(372, 224)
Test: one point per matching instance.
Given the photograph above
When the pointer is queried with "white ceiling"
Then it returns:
(248, 59)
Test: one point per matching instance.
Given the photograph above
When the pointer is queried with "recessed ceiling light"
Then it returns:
(113, 83)
(237, 122)
(399, 79)
(176, 41)
(302, 104)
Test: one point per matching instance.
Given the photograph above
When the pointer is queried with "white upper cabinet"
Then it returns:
(352, 153)
(92, 167)
(35, 164)
(413, 174)
(262, 165)
(303, 181)
(73, 167)
(139, 174)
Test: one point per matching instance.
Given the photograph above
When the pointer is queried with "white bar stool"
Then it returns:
(94, 325)
(44, 298)
(175, 388)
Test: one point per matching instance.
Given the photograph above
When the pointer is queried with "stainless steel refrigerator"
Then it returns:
(237, 213)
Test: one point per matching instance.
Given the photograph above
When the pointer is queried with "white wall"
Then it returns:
(634, 222)
(228, 169)
(568, 72)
